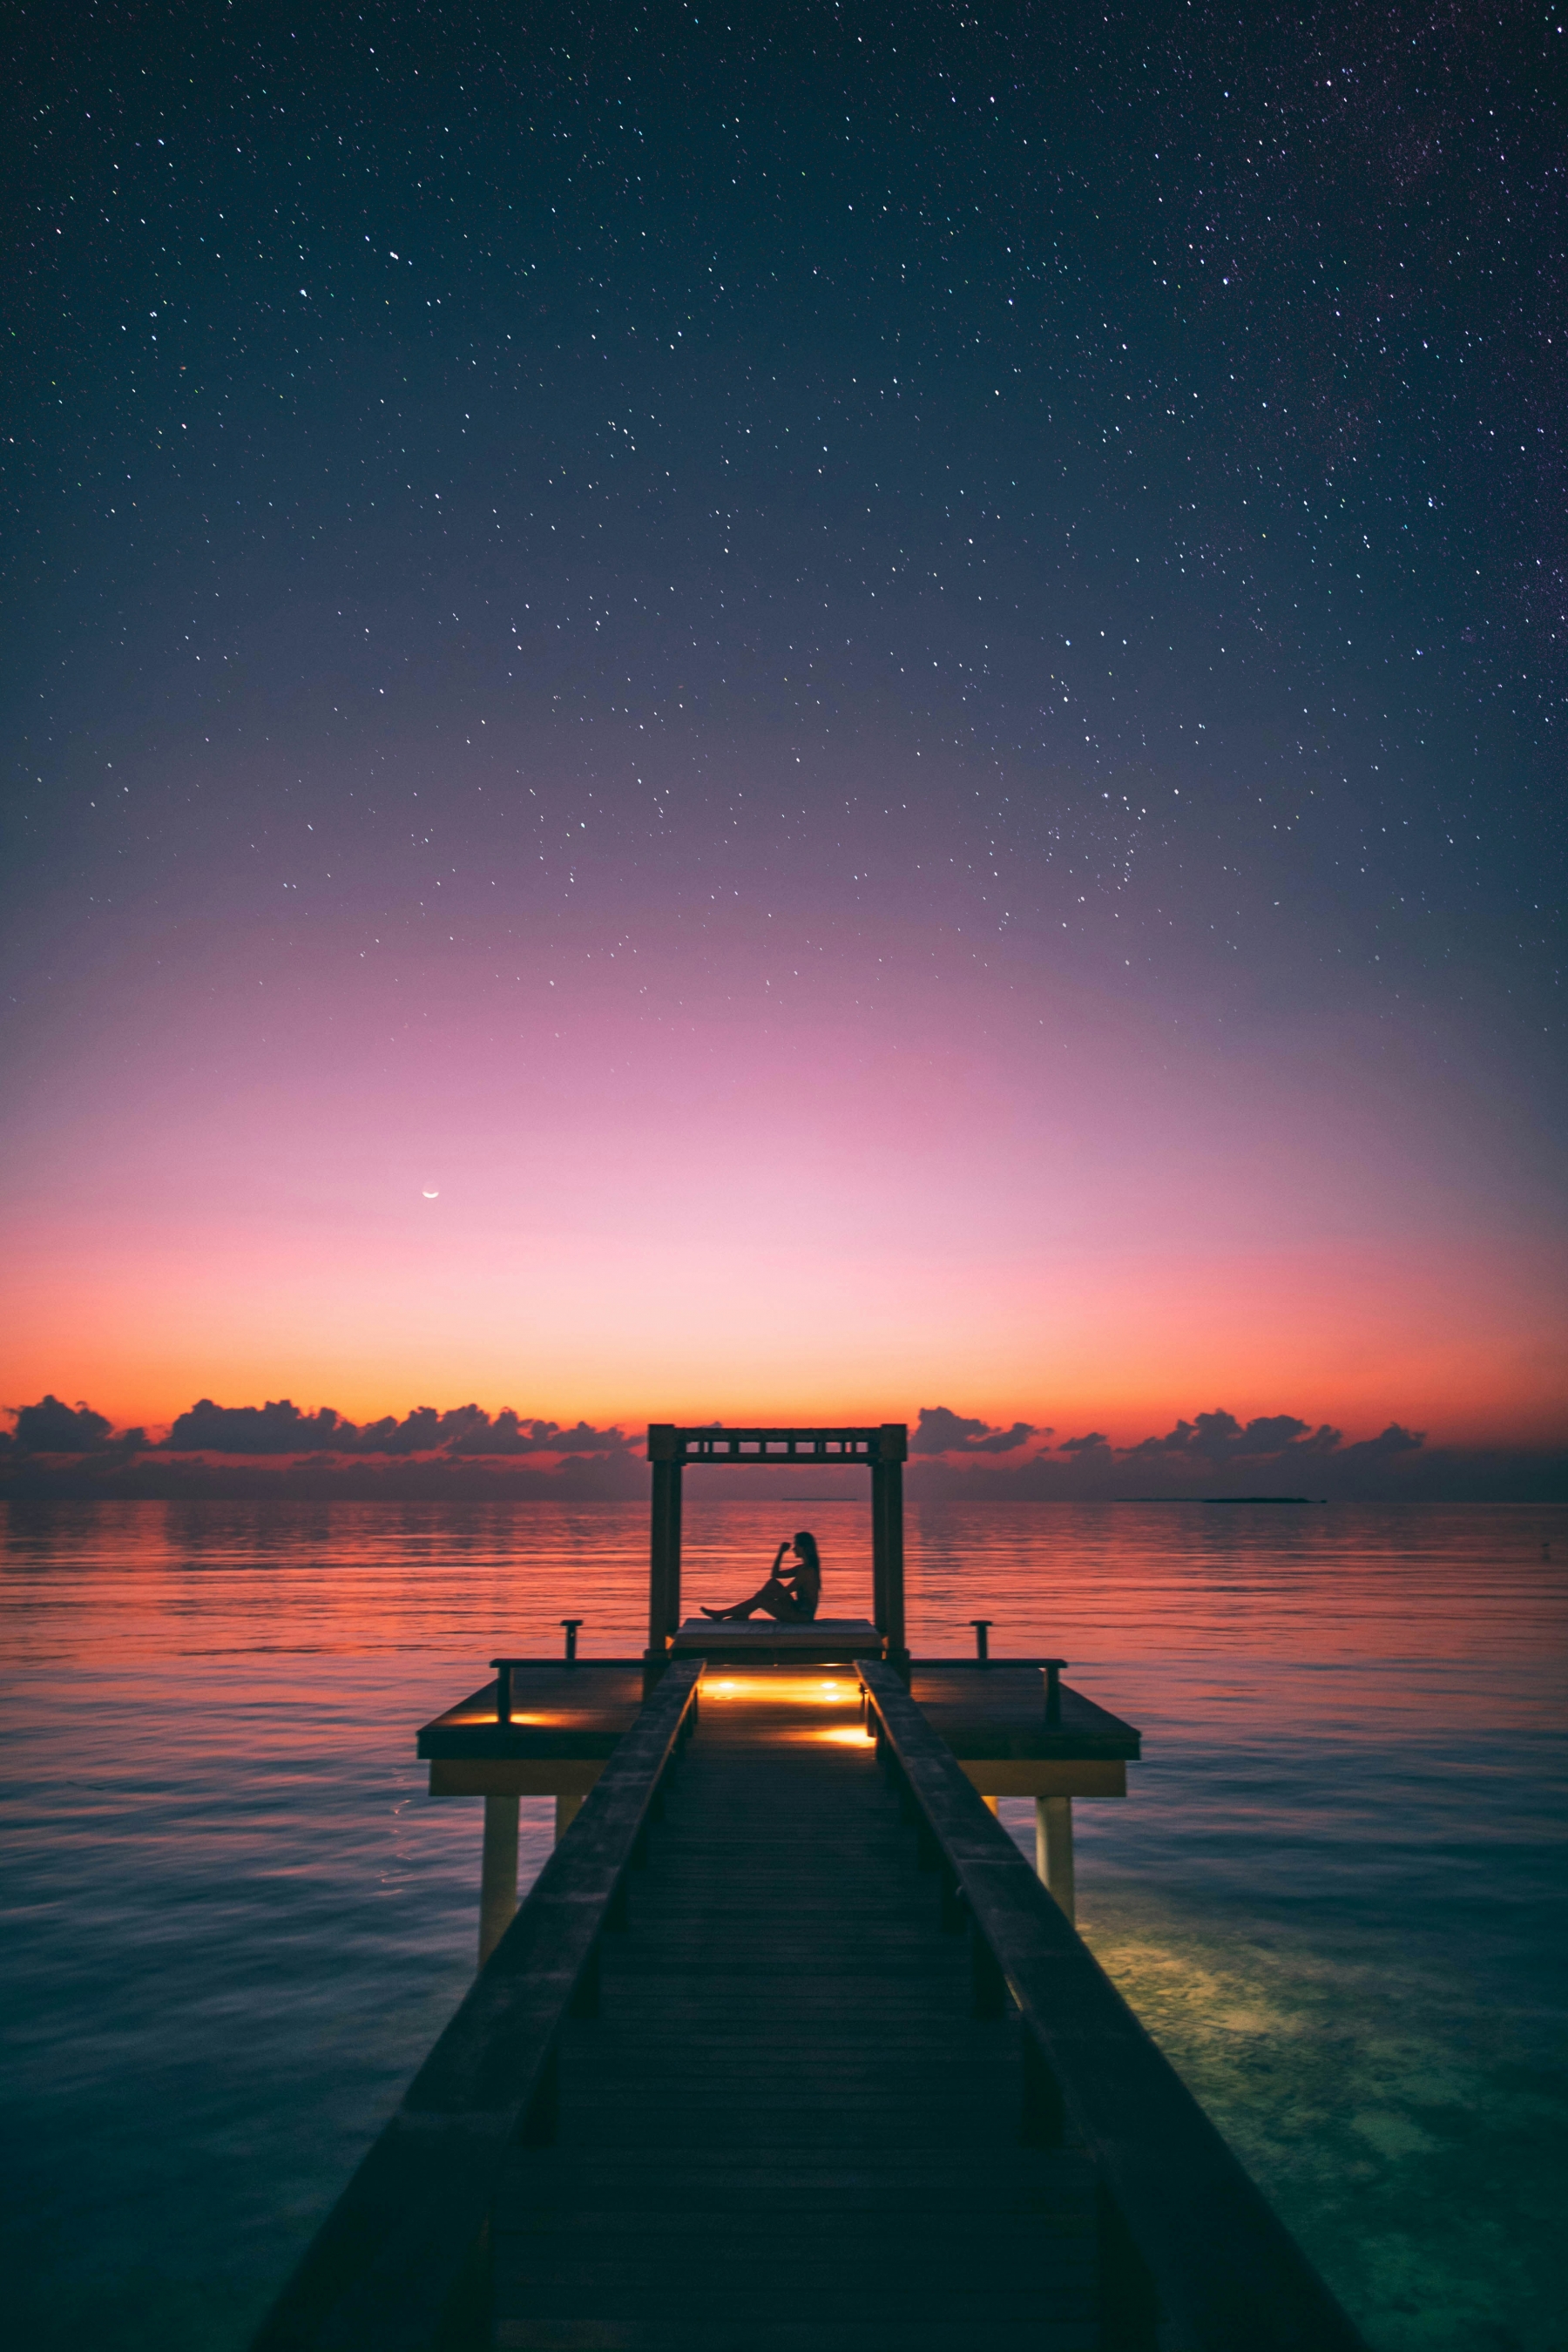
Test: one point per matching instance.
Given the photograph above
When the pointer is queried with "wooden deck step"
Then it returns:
(784, 2132)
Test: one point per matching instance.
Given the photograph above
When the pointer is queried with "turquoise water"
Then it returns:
(235, 1920)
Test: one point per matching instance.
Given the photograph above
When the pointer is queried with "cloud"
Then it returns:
(461, 1430)
(507, 1433)
(1214, 1455)
(584, 1440)
(279, 1428)
(1218, 1436)
(53, 1427)
(1392, 1440)
(938, 1430)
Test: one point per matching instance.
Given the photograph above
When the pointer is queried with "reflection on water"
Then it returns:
(236, 1920)
(1396, 2120)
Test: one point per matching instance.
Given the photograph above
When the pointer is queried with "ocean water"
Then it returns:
(234, 1920)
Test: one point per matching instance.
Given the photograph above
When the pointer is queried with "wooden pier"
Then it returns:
(789, 2049)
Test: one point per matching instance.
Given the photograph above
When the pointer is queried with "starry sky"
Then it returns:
(787, 713)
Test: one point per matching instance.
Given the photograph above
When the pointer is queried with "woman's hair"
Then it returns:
(805, 1544)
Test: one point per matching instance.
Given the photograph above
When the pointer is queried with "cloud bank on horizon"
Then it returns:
(51, 1426)
(55, 1446)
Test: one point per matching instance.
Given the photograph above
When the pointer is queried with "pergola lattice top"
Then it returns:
(889, 1442)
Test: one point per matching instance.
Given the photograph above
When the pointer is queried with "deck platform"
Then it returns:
(563, 1721)
(564, 1724)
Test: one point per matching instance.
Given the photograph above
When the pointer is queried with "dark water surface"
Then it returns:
(234, 1920)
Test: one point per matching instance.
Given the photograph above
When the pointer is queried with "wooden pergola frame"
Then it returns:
(883, 1451)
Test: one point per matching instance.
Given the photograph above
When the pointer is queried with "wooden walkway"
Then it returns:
(789, 2049)
(785, 2130)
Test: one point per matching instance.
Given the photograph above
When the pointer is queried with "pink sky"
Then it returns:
(909, 1176)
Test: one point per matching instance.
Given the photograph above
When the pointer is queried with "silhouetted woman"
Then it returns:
(794, 1595)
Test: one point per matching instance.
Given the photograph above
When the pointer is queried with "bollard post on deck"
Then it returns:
(498, 1874)
(1053, 1851)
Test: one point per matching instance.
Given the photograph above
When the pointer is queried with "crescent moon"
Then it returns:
(432, 1196)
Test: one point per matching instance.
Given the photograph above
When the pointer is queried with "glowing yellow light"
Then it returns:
(845, 1735)
(781, 1690)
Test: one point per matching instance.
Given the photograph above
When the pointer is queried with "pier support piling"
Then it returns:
(568, 1805)
(1053, 1850)
(497, 1873)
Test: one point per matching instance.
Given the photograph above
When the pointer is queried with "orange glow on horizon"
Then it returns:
(1469, 1351)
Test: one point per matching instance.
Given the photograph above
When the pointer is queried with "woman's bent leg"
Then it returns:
(775, 1599)
(741, 1609)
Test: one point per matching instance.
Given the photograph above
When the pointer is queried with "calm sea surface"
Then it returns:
(234, 1920)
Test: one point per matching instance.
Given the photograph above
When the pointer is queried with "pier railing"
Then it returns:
(399, 2265)
(1193, 2259)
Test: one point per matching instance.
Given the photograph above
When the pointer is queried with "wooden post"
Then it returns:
(672, 1582)
(498, 1874)
(891, 1451)
(1053, 1850)
(567, 1807)
(879, 1548)
(658, 1556)
(664, 1552)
